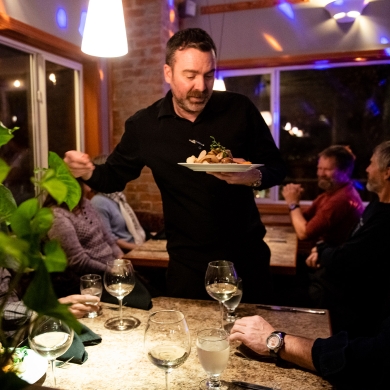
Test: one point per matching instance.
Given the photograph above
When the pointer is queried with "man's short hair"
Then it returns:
(195, 38)
(382, 151)
(344, 158)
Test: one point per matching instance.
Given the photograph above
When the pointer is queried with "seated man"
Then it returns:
(16, 314)
(118, 217)
(333, 214)
(360, 363)
(355, 276)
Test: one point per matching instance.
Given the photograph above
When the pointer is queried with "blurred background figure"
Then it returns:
(118, 217)
(333, 214)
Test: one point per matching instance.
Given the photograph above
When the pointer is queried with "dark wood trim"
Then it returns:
(304, 59)
(21, 32)
(244, 6)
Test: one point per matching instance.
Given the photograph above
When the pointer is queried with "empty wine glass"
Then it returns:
(213, 353)
(221, 282)
(50, 338)
(232, 303)
(167, 340)
(119, 281)
(91, 284)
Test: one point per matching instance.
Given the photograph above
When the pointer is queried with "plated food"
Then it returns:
(218, 154)
(15, 362)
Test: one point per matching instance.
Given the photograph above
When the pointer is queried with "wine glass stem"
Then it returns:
(166, 380)
(120, 312)
(221, 309)
(52, 363)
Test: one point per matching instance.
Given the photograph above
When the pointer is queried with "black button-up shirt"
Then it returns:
(205, 218)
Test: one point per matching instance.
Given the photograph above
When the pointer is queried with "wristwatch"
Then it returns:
(275, 342)
(293, 206)
(257, 182)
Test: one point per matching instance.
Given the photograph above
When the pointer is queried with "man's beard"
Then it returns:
(186, 104)
(372, 185)
(325, 184)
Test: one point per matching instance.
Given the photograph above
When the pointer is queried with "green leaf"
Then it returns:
(7, 204)
(42, 221)
(55, 259)
(6, 134)
(21, 218)
(69, 191)
(41, 298)
(13, 247)
(4, 169)
(56, 188)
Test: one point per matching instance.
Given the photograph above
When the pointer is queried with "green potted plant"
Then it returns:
(24, 246)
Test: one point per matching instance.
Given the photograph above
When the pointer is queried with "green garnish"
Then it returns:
(218, 148)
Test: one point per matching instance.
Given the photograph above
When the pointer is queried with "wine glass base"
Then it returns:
(94, 314)
(206, 384)
(126, 324)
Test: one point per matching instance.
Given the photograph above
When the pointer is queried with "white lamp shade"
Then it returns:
(219, 85)
(346, 11)
(105, 31)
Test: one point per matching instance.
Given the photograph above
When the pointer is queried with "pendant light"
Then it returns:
(105, 30)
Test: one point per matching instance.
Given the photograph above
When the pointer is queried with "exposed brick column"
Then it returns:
(137, 81)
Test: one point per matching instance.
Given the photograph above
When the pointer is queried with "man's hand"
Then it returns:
(253, 332)
(243, 178)
(78, 305)
(312, 260)
(79, 164)
(292, 193)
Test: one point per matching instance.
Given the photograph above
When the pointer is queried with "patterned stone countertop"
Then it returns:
(120, 361)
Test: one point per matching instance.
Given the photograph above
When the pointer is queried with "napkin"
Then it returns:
(77, 350)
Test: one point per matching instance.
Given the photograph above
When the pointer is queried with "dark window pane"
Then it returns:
(15, 110)
(345, 105)
(61, 120)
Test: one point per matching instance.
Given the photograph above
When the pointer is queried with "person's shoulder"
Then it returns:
(146, 112)
(233, 97)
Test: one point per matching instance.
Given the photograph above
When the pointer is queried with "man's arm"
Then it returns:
(253, 332)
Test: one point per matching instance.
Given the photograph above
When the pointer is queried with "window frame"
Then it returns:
(274, 73)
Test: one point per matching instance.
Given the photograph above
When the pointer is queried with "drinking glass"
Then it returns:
(221, 282)
(213, 353)
(232, 303)
(167, 340)
(50, 338)
(91, 284)
(119, 281)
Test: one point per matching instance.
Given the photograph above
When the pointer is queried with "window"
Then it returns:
(39, 93)
(310, 108)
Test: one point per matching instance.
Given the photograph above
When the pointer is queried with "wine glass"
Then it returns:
(232, 303)
(213, 353)
(167, 340)
(91, 284)
(50, 338)
(221, 282)
(119, 281)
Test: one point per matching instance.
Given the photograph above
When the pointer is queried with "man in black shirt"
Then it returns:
(207, 216)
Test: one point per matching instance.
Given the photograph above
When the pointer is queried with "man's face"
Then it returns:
(191, 78)
(329, 176)
(376, 178)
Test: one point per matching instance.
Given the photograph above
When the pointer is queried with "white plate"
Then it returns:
(35, 367)
(220, 167)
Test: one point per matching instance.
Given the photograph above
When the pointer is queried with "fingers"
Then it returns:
(79, 164)
(83, 299)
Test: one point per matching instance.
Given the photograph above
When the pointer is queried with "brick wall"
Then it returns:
(136, 81)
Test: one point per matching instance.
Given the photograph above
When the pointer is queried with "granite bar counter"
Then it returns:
(120, 361)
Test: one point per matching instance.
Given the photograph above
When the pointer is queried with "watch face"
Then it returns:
(273, 341)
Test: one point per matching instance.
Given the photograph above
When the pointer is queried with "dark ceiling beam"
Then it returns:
(244, 6)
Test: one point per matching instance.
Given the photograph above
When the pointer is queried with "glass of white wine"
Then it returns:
(50, 338)
(91, 284)
(232, 303)
(213, 352)
(167, 340)
(119, 281)
(221, 282)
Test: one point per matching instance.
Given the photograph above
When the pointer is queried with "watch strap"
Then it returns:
(293, 206)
